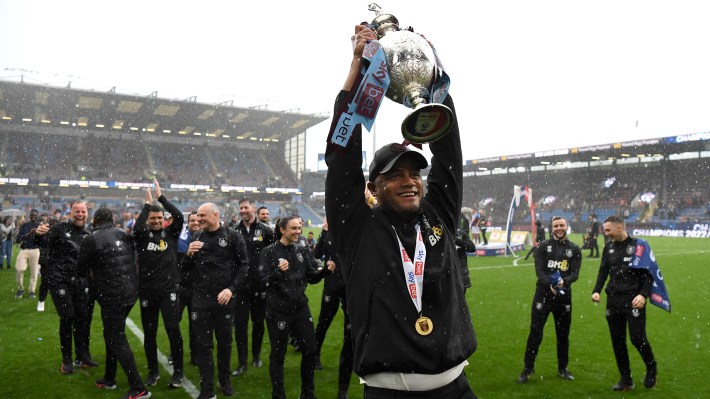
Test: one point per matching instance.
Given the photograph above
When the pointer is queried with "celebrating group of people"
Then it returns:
(390, 258)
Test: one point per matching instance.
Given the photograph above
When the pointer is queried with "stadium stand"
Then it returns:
(62, 144)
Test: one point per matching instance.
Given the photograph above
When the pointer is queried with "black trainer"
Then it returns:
(86, 363)
(624, 385)
(175, 381)
(106, 384)
(152, 379)
(227, 389)
(650, 380)
(257, 363)
(207, 395)
(565, 374)
(240, 370)
(524, 375)
(137, 394)
(66, 367)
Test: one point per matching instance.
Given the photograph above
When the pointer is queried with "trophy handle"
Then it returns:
(427, 123)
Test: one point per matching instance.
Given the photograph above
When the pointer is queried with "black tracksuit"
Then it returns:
(624, 284)
(381, 311)
(551, 256)
(221, 263)
(593, 235)
(108, 256)
(287, 312)
(251, 294)
(334, 296)
(158, 288)
(70, 293)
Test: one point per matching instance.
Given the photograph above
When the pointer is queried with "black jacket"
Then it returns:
(62, 243)
(286, 291)
(108, 256)
(258, 237)
(625, 282)
(325, 251)
(221, 263)
(552, 255)
(381, 311)
(157, 252)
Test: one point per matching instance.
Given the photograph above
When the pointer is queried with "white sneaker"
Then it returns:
(40, 306)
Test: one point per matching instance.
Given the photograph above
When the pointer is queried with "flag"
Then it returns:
(644, 259)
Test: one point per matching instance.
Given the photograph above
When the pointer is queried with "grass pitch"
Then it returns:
(500, 301)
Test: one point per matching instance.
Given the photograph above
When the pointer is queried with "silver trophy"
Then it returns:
(413, 71)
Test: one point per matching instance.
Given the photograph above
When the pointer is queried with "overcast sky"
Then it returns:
(525, 75)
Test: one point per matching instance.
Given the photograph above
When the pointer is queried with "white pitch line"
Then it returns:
(187, 384)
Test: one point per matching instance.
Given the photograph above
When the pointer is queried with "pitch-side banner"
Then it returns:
(644, 259)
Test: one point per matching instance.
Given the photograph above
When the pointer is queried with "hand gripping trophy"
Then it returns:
(417, 79)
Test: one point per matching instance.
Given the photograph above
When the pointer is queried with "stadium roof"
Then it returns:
(684, 146)
(28, 107)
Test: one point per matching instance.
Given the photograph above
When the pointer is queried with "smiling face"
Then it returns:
(559, 229)
(155, 220)
(208, 217)
(78, 214)
(400, 189)
(615, 231)
(247, 212)
(291, 232)
(264, 215)
(193, 223)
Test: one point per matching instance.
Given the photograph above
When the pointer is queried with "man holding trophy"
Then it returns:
(411, 327)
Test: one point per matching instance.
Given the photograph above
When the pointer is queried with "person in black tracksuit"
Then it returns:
(251, 295)
(44, 265)
(593, 236)
(334, 296)
(539, 236)
(107, 256)
(159, 279)
(558, 254)
(185, 286)
(70, 293)
(218, 260)
(288, 269)
(403, 348)
(626, 292)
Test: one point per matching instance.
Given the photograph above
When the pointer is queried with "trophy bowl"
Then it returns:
(412, 65)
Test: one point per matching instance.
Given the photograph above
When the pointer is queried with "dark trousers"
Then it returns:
(210, 323)
(544, 303)
(483, 236)
(328, 309)
(618, 317)
(118, 350)
(169, 305)
(186, 302)
(254, 302)
(72, 306)
(300, 325)
(456, 389)
(594, 247)
(43, 287)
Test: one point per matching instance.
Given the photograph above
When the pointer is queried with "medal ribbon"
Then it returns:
(370, 93)
(414, 270)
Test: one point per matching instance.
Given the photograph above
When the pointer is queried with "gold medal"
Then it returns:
(424, 326)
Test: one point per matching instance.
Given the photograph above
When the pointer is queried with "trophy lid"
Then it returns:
(383, 23)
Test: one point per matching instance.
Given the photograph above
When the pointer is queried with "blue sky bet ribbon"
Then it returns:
(368, 98)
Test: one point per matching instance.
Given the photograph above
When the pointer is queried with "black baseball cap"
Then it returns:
(386, 157)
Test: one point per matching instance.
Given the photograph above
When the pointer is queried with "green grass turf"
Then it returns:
(500, 301)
